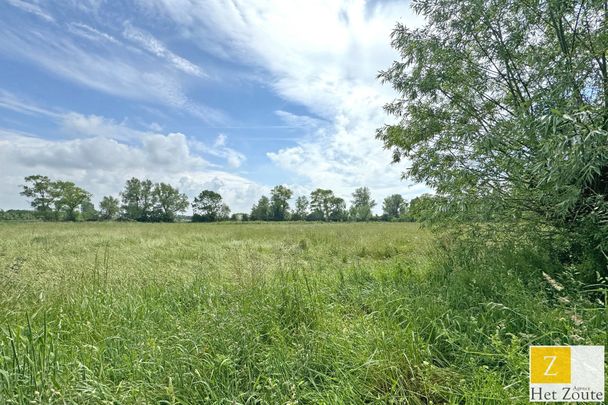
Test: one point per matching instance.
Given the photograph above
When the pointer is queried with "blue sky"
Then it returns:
(235, 96)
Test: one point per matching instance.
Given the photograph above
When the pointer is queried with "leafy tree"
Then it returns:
(262, 210)
(503, 110)
(207, 207)
(88, 211)
(109, 208)
(224, 213)
(138, 200)
(301, 211)
(68, 197)
(362, 204)
(422, 208)
(41, 190)
(168, 202)
(279, 205)
(325, 206)
(321, 204)
(394, 206)
(337, 209)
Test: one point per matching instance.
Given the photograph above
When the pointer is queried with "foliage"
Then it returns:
(53, 200)
(138, 200)
(325, 206)
(301, 211)
(261, 211)
(394, 207)
(207, 206)
(88, 211)
(503, 110)
(40, 189)
(239, 217)
(18, 215)
(145, 201)
(362, 204)
(169, 202)
(67, 197)
(279, 203)
(109, 207)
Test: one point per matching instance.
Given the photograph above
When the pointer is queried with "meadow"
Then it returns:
(273, 313)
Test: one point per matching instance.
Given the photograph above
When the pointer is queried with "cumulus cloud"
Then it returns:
(100, 154)
(102, 165)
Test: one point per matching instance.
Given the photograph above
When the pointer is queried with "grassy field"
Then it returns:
(270, 313)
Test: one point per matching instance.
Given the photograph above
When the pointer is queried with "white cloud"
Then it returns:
(299, 121)
(101, 153)
(107, 66)
(219, 149)
(90, 33)
(32, 8)
(157, 48)
(324, 55)
(102, 165)
(11, 102)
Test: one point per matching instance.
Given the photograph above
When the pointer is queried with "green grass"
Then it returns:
(271, 313)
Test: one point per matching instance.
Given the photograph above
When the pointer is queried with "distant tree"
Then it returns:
(279, 205)
(68, 197)
(362, 204)
(207, 207)
(325, 206)
(40, 189)
(224, 213)
(337, 210)
(321, 204)
(109, 208)
(262, 210)
(168, 202)
(138, 200)
(240, 217)
(394, 206)
(18, 215)
(301, 211)
(88, 211)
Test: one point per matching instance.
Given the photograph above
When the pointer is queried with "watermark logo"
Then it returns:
(567, 373)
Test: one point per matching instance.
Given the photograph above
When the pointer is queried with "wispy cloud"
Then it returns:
(32, 9)
(108, 66)
(11, 102)
(90, 33)
(148, 42)
(299, 121)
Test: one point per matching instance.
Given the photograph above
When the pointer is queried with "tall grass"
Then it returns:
(272, 313)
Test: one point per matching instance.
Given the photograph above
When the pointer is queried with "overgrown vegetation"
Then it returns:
(503, 110)
(274, 313)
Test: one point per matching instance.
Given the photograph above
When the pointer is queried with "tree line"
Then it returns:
(146, 201)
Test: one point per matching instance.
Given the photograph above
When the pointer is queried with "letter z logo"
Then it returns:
(547, 373)
(550, 365)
